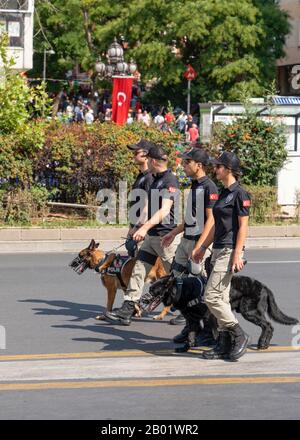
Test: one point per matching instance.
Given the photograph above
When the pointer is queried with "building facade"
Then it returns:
(289, 66)
(16, 19)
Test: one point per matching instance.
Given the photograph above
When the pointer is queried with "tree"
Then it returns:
(230, 43)
(18, 102)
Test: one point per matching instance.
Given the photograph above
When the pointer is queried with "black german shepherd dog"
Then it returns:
(248, 296)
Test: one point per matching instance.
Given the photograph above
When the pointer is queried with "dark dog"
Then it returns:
(248, 296)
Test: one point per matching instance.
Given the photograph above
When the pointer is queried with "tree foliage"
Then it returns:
(230, 43)
(260, 145)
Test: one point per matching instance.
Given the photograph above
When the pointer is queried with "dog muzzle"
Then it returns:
(79, 265)
(148, 301)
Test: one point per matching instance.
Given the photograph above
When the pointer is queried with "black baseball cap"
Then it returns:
(157, 152)
(229, 160)
(196, 154)
(143, 144)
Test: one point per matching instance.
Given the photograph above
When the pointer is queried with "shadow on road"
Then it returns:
(80, 312)
(121, 337)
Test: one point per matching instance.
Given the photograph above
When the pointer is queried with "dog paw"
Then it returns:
(157, 318)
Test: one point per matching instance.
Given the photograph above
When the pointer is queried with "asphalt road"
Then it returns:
(95, 370)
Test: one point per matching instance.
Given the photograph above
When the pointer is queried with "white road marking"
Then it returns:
(254, 364)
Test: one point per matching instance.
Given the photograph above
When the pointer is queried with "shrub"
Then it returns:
(77, 158)
(259, 144)
(21, 206)
(264, 206)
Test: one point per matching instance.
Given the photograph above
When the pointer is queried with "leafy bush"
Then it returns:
(264, 206)
(259, 144)
(79, 159)
(21, 206)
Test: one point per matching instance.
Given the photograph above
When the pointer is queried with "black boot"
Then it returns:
(222, 349)
(123, 314)
(182, 336)
(179, 320)
(239, 342)
(205, 338)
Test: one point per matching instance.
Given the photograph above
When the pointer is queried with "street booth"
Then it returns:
(286, 111)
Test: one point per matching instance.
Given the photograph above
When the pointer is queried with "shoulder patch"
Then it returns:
(246, 203)
(213, 197)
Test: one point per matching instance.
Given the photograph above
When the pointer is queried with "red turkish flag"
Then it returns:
(121, 97)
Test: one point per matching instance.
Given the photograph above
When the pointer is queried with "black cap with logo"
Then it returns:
(229, 160)
(143, 144)
(157, 152)
(196, 154)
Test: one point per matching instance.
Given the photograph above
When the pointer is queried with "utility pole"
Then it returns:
(189, 98)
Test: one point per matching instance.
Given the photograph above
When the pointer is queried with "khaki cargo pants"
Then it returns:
(183, 253)
(218, 287)
(149, 251)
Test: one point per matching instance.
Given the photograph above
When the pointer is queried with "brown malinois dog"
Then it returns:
(113, 279)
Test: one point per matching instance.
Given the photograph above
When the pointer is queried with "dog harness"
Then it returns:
(115, 268)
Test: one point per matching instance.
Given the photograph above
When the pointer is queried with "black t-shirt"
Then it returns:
(143, 181)
(203, 195)
(233, 202)
(165, 185)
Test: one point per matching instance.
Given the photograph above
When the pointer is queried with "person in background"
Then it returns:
(193, 134)
(130, 118)
(89, 117)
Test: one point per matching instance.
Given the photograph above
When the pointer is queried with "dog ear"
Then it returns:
(92, 244)
(97, 245)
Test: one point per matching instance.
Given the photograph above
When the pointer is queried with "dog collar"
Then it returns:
(97, 267)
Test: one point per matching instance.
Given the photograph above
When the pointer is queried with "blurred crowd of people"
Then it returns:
(92, 107)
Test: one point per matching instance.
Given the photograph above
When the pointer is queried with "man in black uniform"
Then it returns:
(142, 182)
(198, 218)
(163, 194)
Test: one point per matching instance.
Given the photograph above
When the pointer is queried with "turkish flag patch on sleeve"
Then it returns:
(171, 189)
(246, 203)
(213, 197)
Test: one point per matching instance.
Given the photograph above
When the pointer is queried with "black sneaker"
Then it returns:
(179, 320)
(123, 314)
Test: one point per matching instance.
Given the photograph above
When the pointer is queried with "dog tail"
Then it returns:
(275, 313)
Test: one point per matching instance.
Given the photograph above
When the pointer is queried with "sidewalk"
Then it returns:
(38, 240)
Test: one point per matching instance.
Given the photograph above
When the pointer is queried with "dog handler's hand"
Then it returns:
(198, 254)
(140, 234)
(237, 264)
(167, 240)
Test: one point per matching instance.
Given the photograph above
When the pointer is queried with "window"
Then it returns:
(15, 5)
(13, 25)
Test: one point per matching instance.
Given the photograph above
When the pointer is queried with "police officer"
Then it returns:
(196, 227)
(163, 195)
(143, 182)
(231, 213)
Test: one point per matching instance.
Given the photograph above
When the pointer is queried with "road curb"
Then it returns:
(74, 246)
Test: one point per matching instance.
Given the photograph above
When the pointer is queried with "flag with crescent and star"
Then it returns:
(121, 97)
